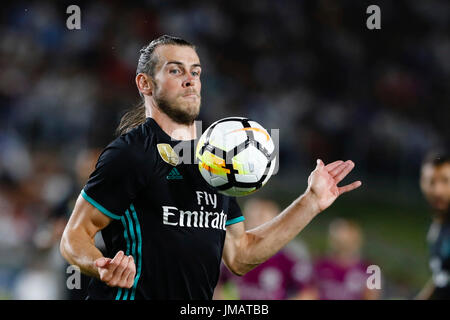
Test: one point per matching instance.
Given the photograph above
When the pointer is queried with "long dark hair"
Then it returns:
(146, 64)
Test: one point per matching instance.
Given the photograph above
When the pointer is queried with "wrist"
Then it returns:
(310, 201)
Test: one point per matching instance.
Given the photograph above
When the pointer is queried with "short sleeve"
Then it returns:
(234, 214)
(116, 180)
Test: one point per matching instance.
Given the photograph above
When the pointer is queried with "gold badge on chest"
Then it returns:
(168, 154)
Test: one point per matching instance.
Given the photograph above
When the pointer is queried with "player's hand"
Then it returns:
(323, 182)
(117, 272)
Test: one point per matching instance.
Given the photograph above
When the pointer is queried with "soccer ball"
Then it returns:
(236, 156)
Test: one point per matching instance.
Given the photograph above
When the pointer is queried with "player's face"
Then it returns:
(435, 184)
(178, 84)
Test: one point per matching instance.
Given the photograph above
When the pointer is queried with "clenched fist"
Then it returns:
(117, 272)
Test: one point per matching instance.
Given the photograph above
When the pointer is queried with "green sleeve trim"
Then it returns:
(99, 206)
(235, 220)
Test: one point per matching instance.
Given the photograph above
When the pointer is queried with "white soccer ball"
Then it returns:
(236, 156)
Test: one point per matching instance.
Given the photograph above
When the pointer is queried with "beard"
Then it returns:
(182, 112)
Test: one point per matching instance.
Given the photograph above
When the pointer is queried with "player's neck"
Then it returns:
(173, 129)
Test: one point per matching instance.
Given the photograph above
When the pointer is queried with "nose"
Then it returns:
(190, 81)
(438, 189)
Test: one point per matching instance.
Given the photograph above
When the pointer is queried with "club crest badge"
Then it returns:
(168, 154)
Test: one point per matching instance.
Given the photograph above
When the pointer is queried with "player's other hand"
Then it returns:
(117, 272)
(323, 182)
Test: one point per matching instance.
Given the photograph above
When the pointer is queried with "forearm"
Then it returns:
(427, 291)
(80, 250)
(244, 250)
(260, 243)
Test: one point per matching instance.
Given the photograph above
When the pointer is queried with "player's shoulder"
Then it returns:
(133, 145)
(140, 138)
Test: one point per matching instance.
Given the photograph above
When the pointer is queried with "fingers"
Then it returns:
(341, 170)
(337, 169)
(349, 165)
(130, 279)
(349, 187)
(102, 262)
(116, 261)
(129, 274)
(107, 271)
(333, 165)
(119, 272)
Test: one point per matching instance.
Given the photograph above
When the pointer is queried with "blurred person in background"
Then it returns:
(44, 269)
(28, 199)
(435, 185)
(281, 277)
(342, 274)
(84, 165)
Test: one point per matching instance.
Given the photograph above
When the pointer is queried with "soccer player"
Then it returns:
(165, 229)
(435, 185)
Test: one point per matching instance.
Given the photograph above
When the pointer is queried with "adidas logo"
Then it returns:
(174, 174)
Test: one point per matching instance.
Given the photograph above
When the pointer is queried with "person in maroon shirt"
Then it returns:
(342, 274)
(281, 277)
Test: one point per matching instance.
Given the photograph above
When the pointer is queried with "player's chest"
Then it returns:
(179, 192)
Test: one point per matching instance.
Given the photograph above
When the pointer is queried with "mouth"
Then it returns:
(439, 204)
(190, 96)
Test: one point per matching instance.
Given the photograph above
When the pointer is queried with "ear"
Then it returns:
(144, 84)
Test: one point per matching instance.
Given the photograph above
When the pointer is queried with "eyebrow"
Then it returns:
(181, 64)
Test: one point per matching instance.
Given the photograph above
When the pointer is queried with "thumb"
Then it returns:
(102, 262)
(320, 164)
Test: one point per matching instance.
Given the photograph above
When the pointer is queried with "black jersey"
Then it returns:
(439, 242)
(164, 214)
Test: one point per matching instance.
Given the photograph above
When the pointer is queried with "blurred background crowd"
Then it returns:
(312, 69)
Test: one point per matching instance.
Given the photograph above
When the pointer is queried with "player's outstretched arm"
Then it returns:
(78, 247)
(244, 250)
(427, 291)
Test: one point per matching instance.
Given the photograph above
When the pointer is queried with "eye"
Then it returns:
(174, 71)
(195, 73)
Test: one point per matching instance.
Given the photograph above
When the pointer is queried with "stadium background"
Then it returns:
(335, 89)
